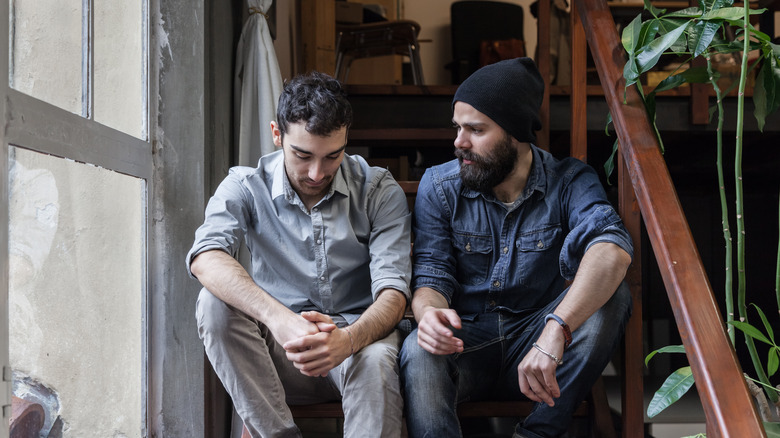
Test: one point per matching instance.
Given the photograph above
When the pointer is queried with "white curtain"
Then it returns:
(257, 86)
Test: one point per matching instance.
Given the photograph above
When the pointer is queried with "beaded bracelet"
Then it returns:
(548, 354)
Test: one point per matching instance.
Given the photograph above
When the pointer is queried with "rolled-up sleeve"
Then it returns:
(390, 239)
(434, 260)
(591, 219)
(227, 217)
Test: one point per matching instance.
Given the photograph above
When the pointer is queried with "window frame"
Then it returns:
(36, 125)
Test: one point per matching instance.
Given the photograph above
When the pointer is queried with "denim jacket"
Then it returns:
(484, 255)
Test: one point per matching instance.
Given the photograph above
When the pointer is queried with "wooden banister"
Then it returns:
(727, 404)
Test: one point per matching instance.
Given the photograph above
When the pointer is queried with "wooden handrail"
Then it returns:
(726, 401)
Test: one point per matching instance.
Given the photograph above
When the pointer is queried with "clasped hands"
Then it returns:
(314, 344)
(536, 372)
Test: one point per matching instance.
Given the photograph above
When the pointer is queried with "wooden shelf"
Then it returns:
(402, 134)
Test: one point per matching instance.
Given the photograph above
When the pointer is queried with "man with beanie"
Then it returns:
(518, 268)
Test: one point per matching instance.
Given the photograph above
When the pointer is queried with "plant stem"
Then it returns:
(724, 209)
(740, 203)
(777, 269)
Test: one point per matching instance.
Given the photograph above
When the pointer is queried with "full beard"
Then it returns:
(490, 170)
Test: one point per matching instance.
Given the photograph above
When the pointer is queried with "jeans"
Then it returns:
(494, 345)
(262, 382)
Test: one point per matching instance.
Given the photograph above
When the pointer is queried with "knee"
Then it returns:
(417, 363)
(619, 305)
(410, 350)
(212, 315)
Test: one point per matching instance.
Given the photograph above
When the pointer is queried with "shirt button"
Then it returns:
(319, 241)
(315, 209)
(540, 244)
(322, 278)
(496, 283)
(506, 249)
(492, 303)
(468, 246)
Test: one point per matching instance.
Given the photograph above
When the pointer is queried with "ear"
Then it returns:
(277, 134)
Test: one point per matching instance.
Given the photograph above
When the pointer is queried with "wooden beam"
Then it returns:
(579, 83)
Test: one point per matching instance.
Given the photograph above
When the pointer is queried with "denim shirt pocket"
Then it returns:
(537, 253)
(474, 255)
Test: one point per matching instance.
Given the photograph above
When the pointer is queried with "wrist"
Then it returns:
(564, 328)
(351, 341)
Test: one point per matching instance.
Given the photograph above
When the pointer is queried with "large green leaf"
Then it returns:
(653, 10)
(700, 36)
(767, 326)
(750, 331)
(708, 5)
(772, 429)
(648, 57)
(766, 93)
(698, 75)
(670, 82)
(647, 32)
(667, 25)
(692, 12)
(731, 13)
(772, 361)
(630, 39)
(667, 349)
(630, 36)
(675, 386)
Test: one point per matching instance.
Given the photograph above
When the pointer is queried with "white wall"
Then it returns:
(434, 19)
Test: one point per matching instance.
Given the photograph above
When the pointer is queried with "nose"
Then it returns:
(461, 140)
(316, 172)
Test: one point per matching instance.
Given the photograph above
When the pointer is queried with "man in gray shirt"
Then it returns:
(329, 236)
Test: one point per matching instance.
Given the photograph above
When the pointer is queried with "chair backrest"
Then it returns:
(474, 21)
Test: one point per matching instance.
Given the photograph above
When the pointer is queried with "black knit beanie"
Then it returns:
(510, 93)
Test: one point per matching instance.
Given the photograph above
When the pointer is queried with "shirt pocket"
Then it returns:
(474, 255)
(537, 253)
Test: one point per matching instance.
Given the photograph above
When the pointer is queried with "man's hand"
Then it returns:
(291, 326)
(434, 332)
(536, 372)
(317, 354)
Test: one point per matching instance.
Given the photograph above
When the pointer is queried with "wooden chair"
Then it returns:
(394, 37)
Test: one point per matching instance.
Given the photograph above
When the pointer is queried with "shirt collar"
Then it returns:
(282, 186)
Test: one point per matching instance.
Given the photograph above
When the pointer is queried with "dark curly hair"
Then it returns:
(316, 99)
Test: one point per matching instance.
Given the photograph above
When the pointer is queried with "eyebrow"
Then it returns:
(305, 152)
(469, 124)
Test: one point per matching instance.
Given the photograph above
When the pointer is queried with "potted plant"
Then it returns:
(716, 28)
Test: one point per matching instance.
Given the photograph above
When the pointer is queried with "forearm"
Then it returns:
(601, 270)
(224, 277)
(379, 319)
(425, 298)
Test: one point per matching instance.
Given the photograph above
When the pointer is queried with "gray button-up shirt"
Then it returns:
(334, 259)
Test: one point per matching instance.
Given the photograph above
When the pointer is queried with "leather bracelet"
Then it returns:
(351, 344)
(564, 326)
(548, 354)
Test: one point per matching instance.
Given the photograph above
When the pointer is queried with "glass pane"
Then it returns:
(119, 67)
(46, 51)
(76, 294)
